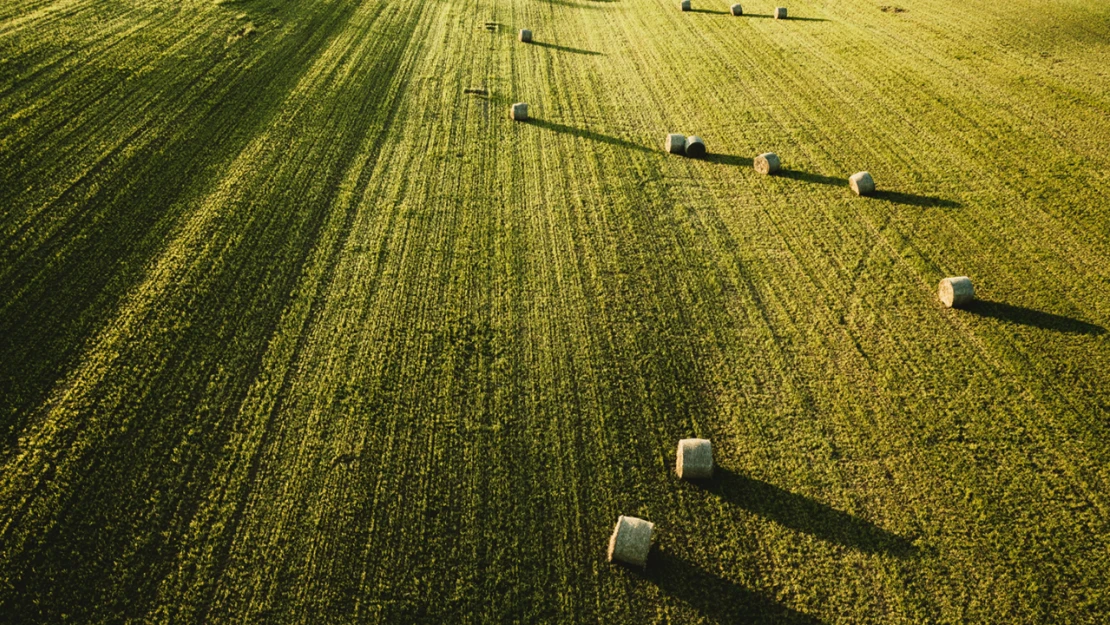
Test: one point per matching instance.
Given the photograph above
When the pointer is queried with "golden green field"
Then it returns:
(297, 326)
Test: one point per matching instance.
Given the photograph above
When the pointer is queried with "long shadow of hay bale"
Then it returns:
(806, 515)
(717, 598)
(789, 19)
(806, 176)
(587, 134)
(729, 159)
(912, 199)
(554, 46)
(575, 5)
(1033, 318)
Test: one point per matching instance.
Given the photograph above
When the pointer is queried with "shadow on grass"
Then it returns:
(1034, 318)
(788, 19)
(914, 200)
(575, 5)
(729, 159)
(586, 134)
(708, 11)
(716, 598)
(806, 515)
(554, 46)
(805, 176)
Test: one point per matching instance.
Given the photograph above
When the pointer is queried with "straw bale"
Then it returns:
(675, 143)
(862, 183)
(695, 147)
(631, 541)
(956, 292)
(767, 163)
(694, 459)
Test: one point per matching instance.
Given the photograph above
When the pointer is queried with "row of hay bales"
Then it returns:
(736, 9)
(953, 292)
(769, 163)
(631, 539)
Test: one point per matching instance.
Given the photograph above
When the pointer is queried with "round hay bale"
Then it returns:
(525, 35)
(694, 459)
(737, 9)
(862, 183)
(695, 147)
(676, 143)
(631, 541)
(767, 163)
(519, 111)
(780, 13)
(956, 292)
(685, 5)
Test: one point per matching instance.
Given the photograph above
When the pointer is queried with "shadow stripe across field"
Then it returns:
(297, 326)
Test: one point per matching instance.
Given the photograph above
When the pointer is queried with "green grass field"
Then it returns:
(294, 329)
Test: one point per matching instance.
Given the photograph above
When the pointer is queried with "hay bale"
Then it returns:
(676, 143)
(737, 9)
(956, 292)
(767, 163)
(695, 147)
(685, 5)
(631, 541)
(694, 459)
(519, 112)
(780, 13)
(525, 35)
(862, 183)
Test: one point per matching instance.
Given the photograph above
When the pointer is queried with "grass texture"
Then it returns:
(297, 326)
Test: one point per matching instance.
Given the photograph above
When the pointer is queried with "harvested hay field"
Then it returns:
(297, 325)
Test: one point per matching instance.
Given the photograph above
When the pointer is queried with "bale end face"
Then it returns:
(631, 541)
(694, 459)
(767, 163)
(695, 147)
(737, 9)
(675, 144)
(956, 292)
(519, 111)
(780, 13)
(862, 183)
(526, 35)
(685, 5)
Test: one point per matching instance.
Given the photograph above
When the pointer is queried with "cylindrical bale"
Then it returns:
(767, 163)
(676, 143)
(737, 9)
(519, 111)
(780, 13)
(631, 541)
(695, 147)
(685, 5)
(694, 459)
(862, 183)
(956, 292)
(526, 35)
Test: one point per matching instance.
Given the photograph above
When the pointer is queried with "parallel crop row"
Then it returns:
(296, 325)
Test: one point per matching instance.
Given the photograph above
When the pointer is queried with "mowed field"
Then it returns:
(293, 329)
